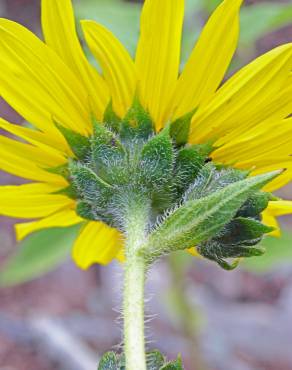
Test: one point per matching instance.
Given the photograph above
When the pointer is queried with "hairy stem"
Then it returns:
(135, 268)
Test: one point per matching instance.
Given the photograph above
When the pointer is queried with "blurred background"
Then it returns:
(54, 316)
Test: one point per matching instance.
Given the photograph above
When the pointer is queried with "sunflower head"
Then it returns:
(200, 157)
(125, 161)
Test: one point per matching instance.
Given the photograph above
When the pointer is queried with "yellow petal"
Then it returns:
(269, 140)
(209, 60)
(60, 34)
(63, 218)
(274, 110)
(96, 243)
(35, 81)
(25, 161)
(279, 181)
(270, 220)
(193, 251)
(117, 65)
(38, 138)
(275, 209)
(40, 156)
(158, 55)
(31, 201)
(239, 101)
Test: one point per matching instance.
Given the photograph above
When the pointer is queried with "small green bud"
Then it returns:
(154, 361)
(200, 220)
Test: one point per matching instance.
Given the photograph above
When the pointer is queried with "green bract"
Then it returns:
(191, 200)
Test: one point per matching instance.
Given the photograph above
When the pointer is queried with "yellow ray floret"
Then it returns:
(52, 144)
(116, 63)
(59, 29)
(209, 60)
(32, 200)
(97, 243)
(244, 96)
(276, 209)
(158, 55)
(35, 81)
(28, 161)
(63, 218)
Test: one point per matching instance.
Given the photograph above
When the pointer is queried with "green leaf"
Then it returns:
(155, 360)
(199, 220)
(174, 365)
(109, 361)
(38, 254)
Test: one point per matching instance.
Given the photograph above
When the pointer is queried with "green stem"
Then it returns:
(134, 281)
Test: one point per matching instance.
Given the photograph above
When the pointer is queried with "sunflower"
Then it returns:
(68, 103)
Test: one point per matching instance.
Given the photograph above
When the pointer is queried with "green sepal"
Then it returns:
(60, 170)
(217, 252)
(90, 187)
(173, 365)
(157, 159)
(84, 210)
(70, 191)
(180, 128)
(108, 155)
(137, 124)
(199, 220)
(109, 361)
(111, 119)
(79, 144)
(243, 231)
(189, 162)
(256, 204)
(238, 240)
